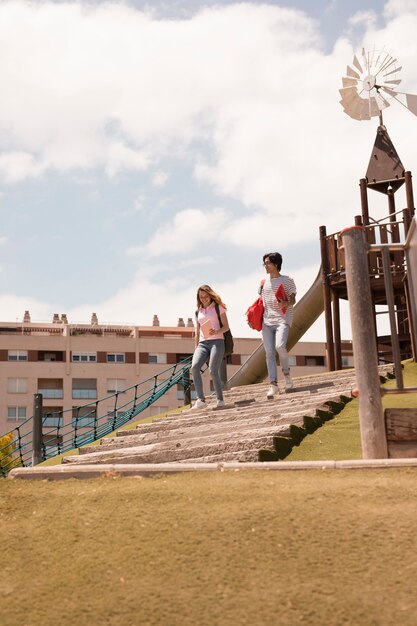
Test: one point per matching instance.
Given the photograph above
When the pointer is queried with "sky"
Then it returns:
(150, 147)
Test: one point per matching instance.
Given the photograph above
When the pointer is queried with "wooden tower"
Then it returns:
(385, 175)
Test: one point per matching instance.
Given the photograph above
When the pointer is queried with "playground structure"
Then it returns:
(385, 175)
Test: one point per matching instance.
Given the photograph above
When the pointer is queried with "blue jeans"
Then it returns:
(275, 338)
(213, 350)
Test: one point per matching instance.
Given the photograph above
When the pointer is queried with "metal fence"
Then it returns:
(65, 430)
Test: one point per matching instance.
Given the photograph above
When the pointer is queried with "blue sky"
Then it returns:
(146, 148)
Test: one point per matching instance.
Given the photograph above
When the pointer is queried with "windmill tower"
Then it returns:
(369, 86)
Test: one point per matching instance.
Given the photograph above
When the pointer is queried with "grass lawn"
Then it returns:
(248, 548)
(339, 439)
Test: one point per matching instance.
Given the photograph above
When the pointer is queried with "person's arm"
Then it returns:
(223, 328)
(225, 324)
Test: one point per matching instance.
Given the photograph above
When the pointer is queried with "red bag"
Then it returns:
(255, 314)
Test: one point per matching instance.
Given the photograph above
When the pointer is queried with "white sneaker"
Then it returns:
(272, 391)
(220, 403)
(199, 404)
(288, 382)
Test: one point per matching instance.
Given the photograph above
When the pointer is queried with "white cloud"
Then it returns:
(160, 179)
(188, 230)
(243, 92)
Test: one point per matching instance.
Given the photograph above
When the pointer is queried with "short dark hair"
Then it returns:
(275, 258)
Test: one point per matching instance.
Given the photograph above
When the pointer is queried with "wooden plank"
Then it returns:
(401, 425)
(402, 450)
(332, 254)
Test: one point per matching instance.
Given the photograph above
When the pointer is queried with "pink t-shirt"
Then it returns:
(210, 315)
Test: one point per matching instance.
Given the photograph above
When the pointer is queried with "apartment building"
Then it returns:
(75, 364)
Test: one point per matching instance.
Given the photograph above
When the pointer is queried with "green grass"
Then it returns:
(251, 548)
(248, 548)
(339, 439)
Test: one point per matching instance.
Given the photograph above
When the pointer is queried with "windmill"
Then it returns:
(371, 83)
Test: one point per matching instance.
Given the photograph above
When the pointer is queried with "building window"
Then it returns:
(17, 385)
(84, 388)
(115, 358)
(17, 355)
(116, 385)
(51, 387)
(157, 410)
(16, 413)
(157, 358)
(111, 415)
(345, 361)
(50, 357)
(83, 417)
(292, 361)
(52, 421)
(315, 361)
(52, 417)
(180, 394)
(84, 357)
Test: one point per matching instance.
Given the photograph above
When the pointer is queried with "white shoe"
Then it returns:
(272, 391)
(288, 382)
(220, 404)
(199, 404)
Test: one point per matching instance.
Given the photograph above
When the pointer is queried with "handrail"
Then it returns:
(88, 422)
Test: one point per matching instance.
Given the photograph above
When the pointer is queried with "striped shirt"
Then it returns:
(272, 313)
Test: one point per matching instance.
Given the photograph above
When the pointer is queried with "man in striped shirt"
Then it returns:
(278, 295)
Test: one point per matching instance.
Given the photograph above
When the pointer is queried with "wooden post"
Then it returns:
(327, 299)
(371, 418)
(337, 334)
(37, 429)
(364, 201)
(409, 192)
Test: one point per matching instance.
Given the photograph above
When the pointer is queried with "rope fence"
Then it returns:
(76, 427)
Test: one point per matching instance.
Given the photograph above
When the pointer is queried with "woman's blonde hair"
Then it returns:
(213, 295)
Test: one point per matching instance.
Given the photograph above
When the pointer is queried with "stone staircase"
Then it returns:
(249, 428)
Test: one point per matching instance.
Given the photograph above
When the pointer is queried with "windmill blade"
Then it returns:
(398, 69)
(381, 102)
(373, 107)
(393, 82)
(347, 91)
(411, 102)
(357, 64)
(365, 61)
(352, 73)
(349, 82)
(349, 97)
(386, 65)
(391, 92)
(355, 106)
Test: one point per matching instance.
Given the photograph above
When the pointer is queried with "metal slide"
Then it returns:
(306, 311)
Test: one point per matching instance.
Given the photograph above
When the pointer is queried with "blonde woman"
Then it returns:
(209, 343)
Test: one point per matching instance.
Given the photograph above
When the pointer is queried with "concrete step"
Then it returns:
(250, 427)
